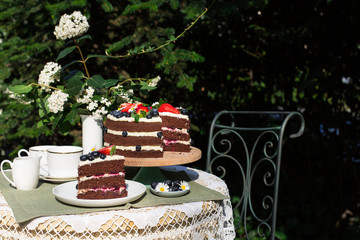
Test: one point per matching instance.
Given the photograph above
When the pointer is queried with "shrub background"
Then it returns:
(241, 55)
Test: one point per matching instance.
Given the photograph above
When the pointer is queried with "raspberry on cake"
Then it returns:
(101, 175)
(175, 128)
(135, 130)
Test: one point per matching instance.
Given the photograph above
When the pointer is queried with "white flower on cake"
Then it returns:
(71, 26)
(184, 185)
(56, 101)
(162, 187)
(49, 74)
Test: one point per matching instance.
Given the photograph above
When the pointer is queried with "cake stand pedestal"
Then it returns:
(149, 167)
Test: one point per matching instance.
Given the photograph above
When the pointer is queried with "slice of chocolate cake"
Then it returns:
(135, 130)
(101, 176)
(175, 129)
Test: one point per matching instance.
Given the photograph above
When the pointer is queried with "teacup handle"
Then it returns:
(2, 170)
(23, 150)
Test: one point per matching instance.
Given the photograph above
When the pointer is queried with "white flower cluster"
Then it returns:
(71, 26)
(49, 74)
(124, 96)
(87, 98)
(154, 81)
(56, 101)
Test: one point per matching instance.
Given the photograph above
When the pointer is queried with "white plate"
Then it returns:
(169, 194)
(66, 193)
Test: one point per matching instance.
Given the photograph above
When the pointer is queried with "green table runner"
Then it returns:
(27, 205)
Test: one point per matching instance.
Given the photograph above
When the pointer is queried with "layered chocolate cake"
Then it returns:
(101, 175)
(175, 128)
(135, 130)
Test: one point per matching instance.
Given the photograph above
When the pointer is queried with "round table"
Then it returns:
(196, 220)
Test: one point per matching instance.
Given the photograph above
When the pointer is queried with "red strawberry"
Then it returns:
(141, 108)
(126, 107)
(109, 150)
(166, 107)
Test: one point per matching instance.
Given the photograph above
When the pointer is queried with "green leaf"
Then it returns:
(73, 115)
(74, 84)
(113, 150)
(146, 87)
(110, 82)
(20, 88)
(96, 81)
(56, 121)
(107, 6)
(84, 37)
(65, 52)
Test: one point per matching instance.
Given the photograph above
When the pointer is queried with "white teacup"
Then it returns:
(25, 172)
(63, 161)
(37, 151)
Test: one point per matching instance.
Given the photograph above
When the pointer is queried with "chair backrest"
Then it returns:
(245, 150)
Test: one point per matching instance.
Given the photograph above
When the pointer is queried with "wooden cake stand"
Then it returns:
(150, 170)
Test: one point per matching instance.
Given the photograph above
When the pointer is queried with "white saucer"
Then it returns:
(170, 194)
(66, 193)
(58, 180)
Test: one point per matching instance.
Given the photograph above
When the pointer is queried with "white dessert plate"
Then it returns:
(66, 193)
(170, 194)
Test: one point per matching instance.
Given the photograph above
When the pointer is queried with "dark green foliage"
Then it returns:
(243, 55)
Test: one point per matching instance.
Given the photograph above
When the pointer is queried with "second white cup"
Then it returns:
(63, 161)
(37, 151)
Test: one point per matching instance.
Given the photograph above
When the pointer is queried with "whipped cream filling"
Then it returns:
(182, 130)
(168, 142)
(169, 114)
(134, 134)
(96, 160)
(131, 119)
(143, 148)
(103, 189)
(103, 175)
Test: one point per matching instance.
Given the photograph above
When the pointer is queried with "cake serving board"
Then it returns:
(169, 159)
(149, 167)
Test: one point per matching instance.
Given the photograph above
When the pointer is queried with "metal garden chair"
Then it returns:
(245, 150)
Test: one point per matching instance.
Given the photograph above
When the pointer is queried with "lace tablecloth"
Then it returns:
(197, 220)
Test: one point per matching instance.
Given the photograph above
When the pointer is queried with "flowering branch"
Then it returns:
(172, 39)
(82, 58)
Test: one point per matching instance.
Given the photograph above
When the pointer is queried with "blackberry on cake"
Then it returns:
(134, 129)
(101, 175)
(175, 128)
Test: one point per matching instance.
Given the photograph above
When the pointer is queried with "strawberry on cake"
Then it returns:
(175, 128)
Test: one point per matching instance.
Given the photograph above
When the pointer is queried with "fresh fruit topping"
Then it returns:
(153, 184)
(109, 150)
(96, 154)
(159, 134)
(141, 108)
(84, 157)
(138, 148)
(102, 156)
(154, 112)
(90, 157)
(148, 116)
(184, 111)
(128, 107)
(124, 133)
(166, 107)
